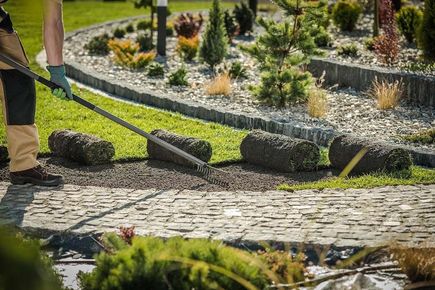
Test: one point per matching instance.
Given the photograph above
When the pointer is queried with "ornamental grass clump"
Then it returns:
(417, 263)
(187, 48)
(126, 53)
(220, 85)
(282, 51)
(387, 95)
(188, 25)
(408, 20)
(346, 13)
(387, 44)
(317, 104)
(214, 44)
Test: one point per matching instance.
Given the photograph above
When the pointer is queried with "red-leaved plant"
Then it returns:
(387, 44)
(127, 233)
(187, 25)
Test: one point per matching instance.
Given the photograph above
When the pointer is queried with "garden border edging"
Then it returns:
(418, 88)
(145, 96)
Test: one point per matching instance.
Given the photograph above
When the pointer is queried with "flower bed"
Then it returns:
(349, 111)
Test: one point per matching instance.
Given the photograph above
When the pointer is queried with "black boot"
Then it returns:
(37, 176)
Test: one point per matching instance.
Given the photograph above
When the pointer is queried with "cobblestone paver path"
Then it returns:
(352, 217)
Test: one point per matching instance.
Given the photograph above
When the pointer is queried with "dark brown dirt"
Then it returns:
(164, 175)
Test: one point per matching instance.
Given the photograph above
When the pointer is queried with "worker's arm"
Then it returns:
(53, 42)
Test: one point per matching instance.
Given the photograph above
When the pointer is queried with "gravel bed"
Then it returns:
(349, 111)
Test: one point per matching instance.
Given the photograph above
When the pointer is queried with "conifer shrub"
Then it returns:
(350, 50)
(156, 70)
(387, 44)
(188, 25)
(214, 44)
(408, 20)
(230, 24)
(119, 32)
(143, 25)
(245, 17)
(426, 35)
(319, 21)
(98, 45)
(127, 54)
(187, 48)
(345, 14)
(23, 266)
(237, 70)
(152, 263)
(178, 77)
(145, 42)
(281, 53)
(129, 28)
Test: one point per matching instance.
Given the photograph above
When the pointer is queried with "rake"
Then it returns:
(208, 172)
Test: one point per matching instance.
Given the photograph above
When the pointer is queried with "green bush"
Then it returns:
(119, 32)
(152, 263)
(98, 45)
(145, 42)
(318, 20)
(369, 43)
(426, 35)
(178, 78)
(230, 24)
(129, 28)
(423, 137)
(237, 70)
(214, 44)
(348, 50)
(156, 70)
(345, 14)
(408, 20)
(23, 266)
(143, 25)
(245, 17)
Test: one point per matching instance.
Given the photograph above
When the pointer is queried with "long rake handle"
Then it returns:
(198, 162)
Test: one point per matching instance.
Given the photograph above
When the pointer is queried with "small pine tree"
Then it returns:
(230, 25)
(245, 17)
(426, 36)
(145, 4)
(281, 53)
(214, 44)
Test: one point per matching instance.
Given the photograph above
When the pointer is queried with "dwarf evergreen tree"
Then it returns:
(426, 36)
(214, 44)
(282, 51)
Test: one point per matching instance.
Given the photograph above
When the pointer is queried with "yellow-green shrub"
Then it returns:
(126, 53)
(187, 48)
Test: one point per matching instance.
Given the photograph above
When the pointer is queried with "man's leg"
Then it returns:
(18, 95)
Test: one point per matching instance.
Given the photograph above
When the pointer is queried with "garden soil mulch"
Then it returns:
(147, 174)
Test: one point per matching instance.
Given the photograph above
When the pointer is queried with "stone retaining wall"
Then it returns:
(418, 89)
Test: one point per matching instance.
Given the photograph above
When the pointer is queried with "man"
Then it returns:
(18, 95)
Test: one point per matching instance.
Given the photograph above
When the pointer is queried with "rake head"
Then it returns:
(213, 175)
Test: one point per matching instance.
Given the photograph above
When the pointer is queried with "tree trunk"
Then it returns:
(196, 147)
(379, 156)
(83, 148)
(279, 152)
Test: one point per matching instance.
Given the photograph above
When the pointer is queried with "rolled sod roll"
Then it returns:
(379, 156)
(83, 148)
(279, 152)
(196, 147)
(4, 156)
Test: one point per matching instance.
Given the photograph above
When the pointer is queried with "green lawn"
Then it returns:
(56, 114)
